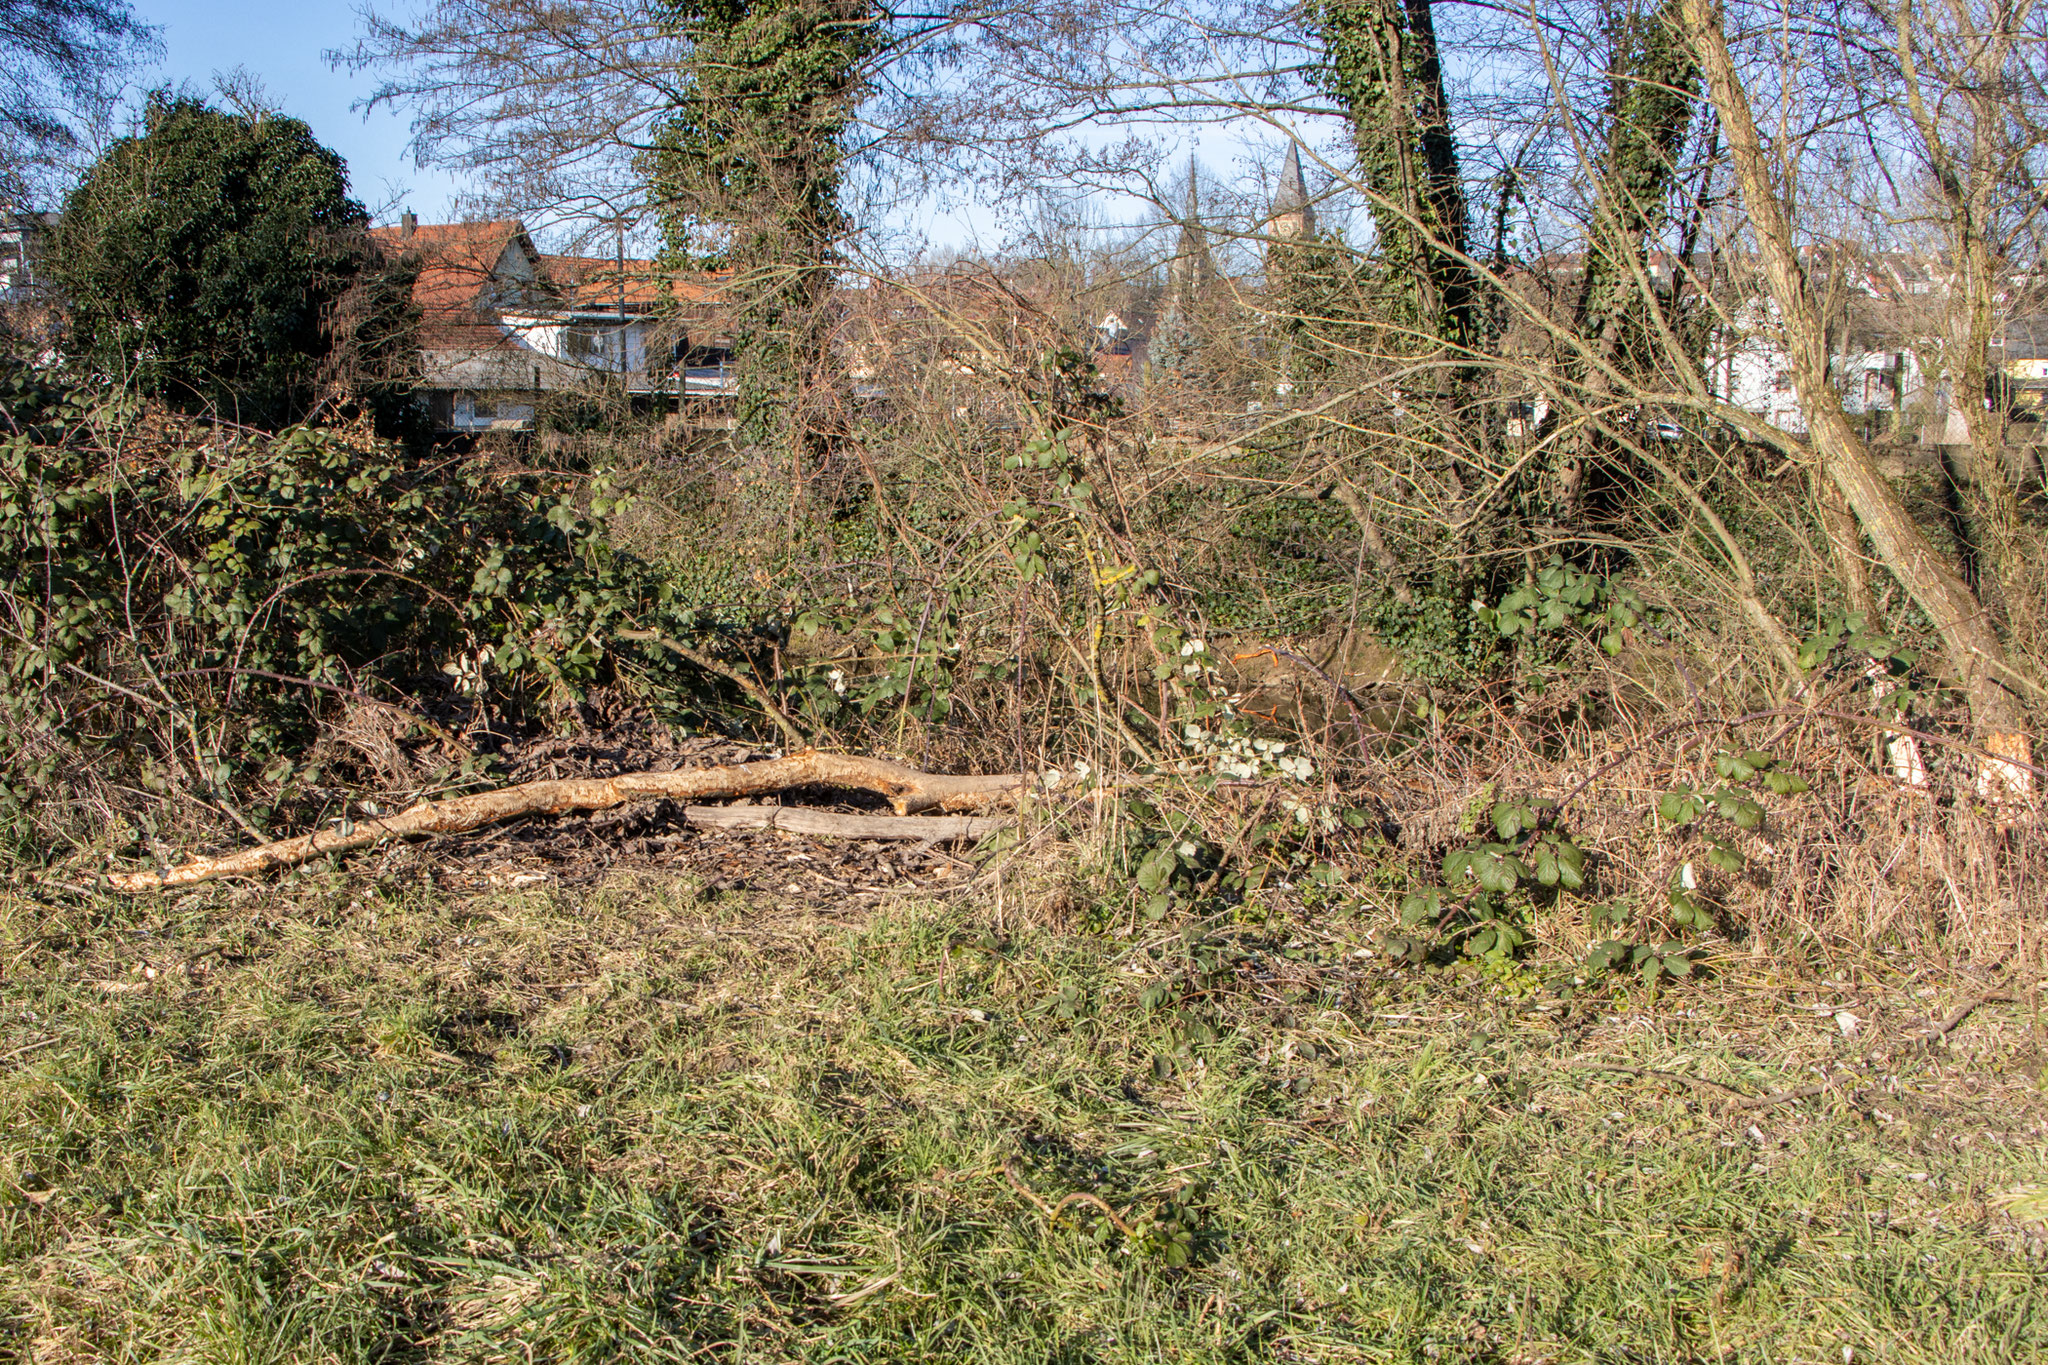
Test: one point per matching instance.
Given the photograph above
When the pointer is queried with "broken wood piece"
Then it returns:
(908, 790)
(802, 820)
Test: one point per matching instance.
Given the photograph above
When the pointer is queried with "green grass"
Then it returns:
(336, 1125)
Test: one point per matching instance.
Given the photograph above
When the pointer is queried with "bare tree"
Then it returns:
(1767, 178)
(65, 62)
(1968, 94)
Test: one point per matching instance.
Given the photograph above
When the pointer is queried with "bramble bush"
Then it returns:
(185, 604)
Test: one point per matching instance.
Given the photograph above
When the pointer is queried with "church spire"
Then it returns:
(1293, 214)
(1191, 268)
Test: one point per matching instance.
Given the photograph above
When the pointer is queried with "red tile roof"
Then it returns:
(458, 265)
(591, 283)
(457, 260)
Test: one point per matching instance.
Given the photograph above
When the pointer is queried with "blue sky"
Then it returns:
(281, 42)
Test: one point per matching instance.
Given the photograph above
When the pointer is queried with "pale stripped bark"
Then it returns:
(1973, 648)
(908, 790)
(828, 824)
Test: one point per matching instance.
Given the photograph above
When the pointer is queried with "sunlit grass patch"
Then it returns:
(645, 1124)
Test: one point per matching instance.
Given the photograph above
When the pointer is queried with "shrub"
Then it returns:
(184, 604)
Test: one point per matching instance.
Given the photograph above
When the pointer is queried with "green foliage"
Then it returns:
(1670, 959)
(1317, 300)
(201, 259)
(1561, 597)
(1489, 884)
(314, 556)
(1715, 817)
(1846, 640)
(1439, 638)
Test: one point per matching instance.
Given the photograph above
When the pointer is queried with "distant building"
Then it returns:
(502, 324)
(1294, 214)
(2021, 354)
(28, 299)
(24, 238)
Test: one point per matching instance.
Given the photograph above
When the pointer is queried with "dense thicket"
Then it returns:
(185, 610)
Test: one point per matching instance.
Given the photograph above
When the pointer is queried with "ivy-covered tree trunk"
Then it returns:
(746, 177)
(1380, 61)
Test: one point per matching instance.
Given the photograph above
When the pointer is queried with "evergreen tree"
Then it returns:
(201, 260)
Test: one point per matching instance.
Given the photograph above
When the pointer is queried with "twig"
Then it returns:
(731, 675)
(1052, 1211)
(1080, 1197)
(1020, 1187)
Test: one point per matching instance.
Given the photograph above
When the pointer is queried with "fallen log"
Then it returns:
(831, 825)
(908, 790)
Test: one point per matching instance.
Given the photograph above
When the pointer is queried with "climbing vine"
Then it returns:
(746, 175)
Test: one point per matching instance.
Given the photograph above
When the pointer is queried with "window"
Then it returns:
(476, 410)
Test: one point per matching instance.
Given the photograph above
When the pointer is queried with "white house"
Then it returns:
(502, 324)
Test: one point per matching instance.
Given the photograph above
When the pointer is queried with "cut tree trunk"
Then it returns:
(908, 790)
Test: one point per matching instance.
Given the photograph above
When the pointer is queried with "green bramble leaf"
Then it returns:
(1726, 858)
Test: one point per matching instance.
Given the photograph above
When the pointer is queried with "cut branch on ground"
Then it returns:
(907, 789)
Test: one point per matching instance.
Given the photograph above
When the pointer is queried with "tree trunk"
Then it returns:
(1972, 646)
(1845, 546)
